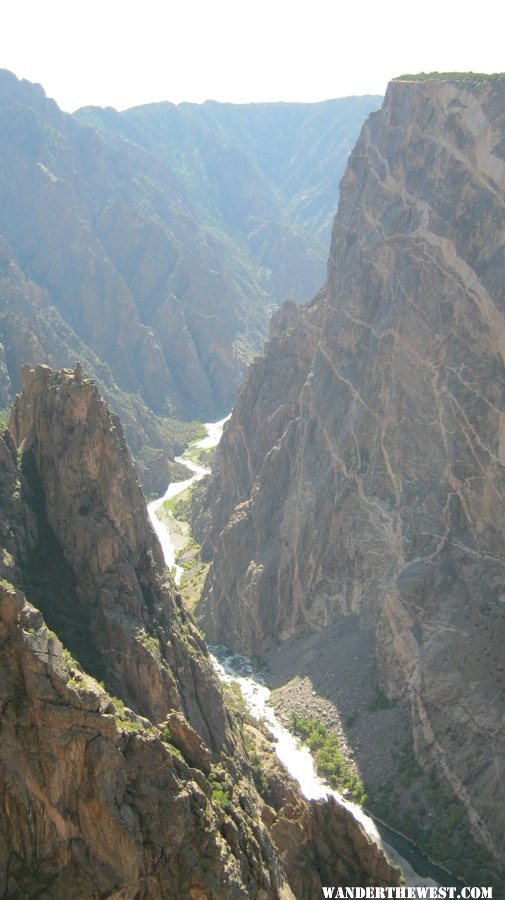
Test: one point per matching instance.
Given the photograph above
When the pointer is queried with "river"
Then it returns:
(417, 868)
(214, 432)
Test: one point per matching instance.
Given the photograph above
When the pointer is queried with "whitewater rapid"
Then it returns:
(296, 757)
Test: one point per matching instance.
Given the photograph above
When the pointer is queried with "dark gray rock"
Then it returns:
(363, 469)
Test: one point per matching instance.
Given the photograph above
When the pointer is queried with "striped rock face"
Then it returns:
(362, 471)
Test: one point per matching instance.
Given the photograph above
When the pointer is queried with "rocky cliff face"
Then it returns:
(115, 615)
(138, 785)
(363, 467)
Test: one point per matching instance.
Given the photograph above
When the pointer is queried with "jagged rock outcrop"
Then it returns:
(363, 469)
(98, 805)
(115, 615)
(139, 785)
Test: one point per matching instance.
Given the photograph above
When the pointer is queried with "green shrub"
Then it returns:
(329, 759)
(124, 721)
(221, 790)
(150, 642)
(70, 659)
(166, 737)
(7, 586)
(260, 777)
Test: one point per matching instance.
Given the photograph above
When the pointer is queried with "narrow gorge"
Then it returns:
(348, 541)
(247, 684)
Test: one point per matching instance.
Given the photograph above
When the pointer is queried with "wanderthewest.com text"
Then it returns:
(408, 893)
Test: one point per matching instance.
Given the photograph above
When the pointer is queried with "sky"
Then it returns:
(123, 53)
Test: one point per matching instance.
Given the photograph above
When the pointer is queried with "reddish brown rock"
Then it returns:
(120, 619)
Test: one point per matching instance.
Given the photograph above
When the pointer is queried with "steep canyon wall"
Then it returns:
(363, 469)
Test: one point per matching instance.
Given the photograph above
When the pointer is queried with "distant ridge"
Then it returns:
(153, 245)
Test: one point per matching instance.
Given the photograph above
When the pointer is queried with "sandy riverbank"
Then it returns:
(179, 531)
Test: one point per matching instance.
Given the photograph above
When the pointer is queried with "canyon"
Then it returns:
(360, 478)
(353, 522)
(152, 246)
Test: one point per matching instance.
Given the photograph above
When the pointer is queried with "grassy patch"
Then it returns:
(329, 759)
(170, 506)
(125, 722)
(7, 586)
(236, 699)
(178, 471)
(166, 737)
(71, 659)
(178, 506)
(179, 433)
(200, 456)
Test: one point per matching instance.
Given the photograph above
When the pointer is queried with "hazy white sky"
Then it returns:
(125, 52)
